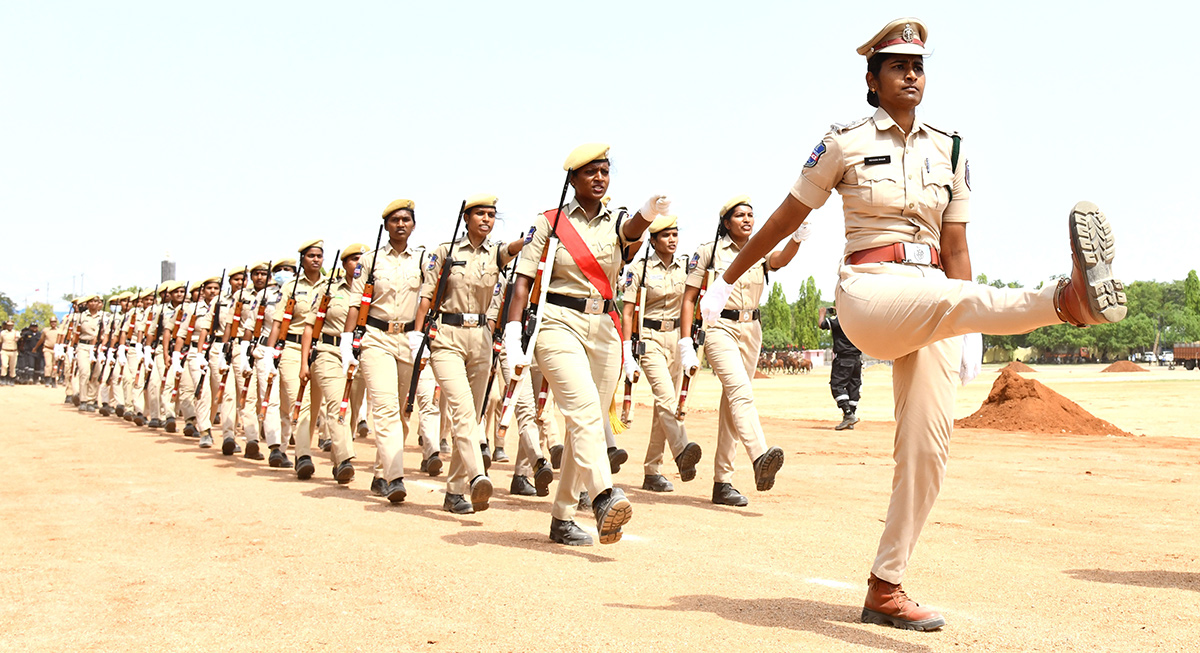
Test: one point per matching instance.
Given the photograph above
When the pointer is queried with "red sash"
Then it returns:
(579, 251)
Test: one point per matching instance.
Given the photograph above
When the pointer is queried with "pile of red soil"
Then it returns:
(1124, 366)
(1019, 404)
(760, 375)
(1018, 367)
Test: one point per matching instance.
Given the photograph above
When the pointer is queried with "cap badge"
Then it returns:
(908, 34)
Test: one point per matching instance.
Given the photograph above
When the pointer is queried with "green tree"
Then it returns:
(1120, 338)
(8, 308)
(39, 312)
(776, 338)
(1191, 293)
(777, 315)
(805, 315)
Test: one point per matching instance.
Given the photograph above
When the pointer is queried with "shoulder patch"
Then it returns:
(629, 277)
(816, 155)
(693, 262)
(432, 262)
(839, 127)
(967, 174)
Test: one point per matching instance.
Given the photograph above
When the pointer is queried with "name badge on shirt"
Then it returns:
(876, 160)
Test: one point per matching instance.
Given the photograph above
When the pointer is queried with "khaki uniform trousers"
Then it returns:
(580, 356)
(264, 367)
(226, 410)
(328, 382)
(131, 386)
(191, 375)
(732, 350)
(461, 360)
(289, 385)
(386, 367)
(83, 384)
(663, 370)
(8, 362)
(48, 363)
(187, 384)
(535, 437)
(357, 411)
(911, 315)
(163, 385)
(153, 397)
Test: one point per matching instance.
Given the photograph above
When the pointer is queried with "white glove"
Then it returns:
(631, 366)
(245, 347)
(176, 368)
(415, 339)
(108, 357)
(203, 364)
(513, 354)
(222, 365)
(802, 233)
(346, 345)
(59, 351)
(121, 358)
(70, 354)
(714, 300)
(687, 356)
(148, 354)
(260, 351)
(655, 206)
(972, 357)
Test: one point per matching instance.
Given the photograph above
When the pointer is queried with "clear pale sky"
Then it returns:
(228, 132)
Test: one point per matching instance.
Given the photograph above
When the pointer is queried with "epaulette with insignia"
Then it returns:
(951, 133)
(839, 127)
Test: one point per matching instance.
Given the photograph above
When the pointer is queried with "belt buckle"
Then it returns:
(667, 325)
(917, 254)
(593, 306)
(470, 319)
(395, 326)
(746, 315)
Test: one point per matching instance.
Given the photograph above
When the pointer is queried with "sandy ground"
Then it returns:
(117, 538)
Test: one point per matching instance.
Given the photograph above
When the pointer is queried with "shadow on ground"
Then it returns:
(1183, 580)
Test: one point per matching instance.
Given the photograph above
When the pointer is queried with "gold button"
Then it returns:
(910, 205)
(910, 176)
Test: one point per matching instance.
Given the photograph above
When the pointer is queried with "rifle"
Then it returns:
(60, 338)
(637, 348)
(697, 327)
(103, 338)
(254, 333)
(318, 325)
(360, 328)
(226, 348)
(210, 337)
(170, 350)
(132, 318)
(280, 342)
(429, 330)
(531, 316)
(498, 345)
(157, 335)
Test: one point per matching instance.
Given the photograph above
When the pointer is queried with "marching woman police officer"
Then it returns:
(905, 290)
(386, 352)
(327, 374)
(578, 347)
(461, 354)
(733, 340)
(662, 278)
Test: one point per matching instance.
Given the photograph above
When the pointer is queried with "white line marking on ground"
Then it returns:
(836, 584)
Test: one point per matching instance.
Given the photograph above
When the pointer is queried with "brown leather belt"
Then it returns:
(393, 327)
(905, 253)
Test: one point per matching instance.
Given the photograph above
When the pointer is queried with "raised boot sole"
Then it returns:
(873, 617)
(618, 513)
(764, 478)
(1093, 249)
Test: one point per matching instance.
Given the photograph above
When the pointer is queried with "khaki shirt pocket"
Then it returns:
(880, 184)
(936, 190)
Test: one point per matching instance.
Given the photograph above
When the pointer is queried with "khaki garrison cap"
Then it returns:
(261, 265)
(233, 272)
(216, 278)
(396, 205)
(318, 242)
(172, 286)
(148, 293)
(664, 222)
(728, 206)
(901, 36)
(585, 154)
(352, 249)
(279, 263)
(481, 199)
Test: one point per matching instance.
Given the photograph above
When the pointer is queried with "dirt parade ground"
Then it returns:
(118, 538)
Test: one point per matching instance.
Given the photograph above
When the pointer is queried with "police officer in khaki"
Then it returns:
(197, 363)
(156, 339)
(327, 374)
(386, 354)
(84, 384)
(302, 290)
(732, 342)
(244, 364)
(221, 358)
(51, 335)
(578, 347)
(8, 353)
(461, 354)
(659, 280)
(172, 322)
(266, 361)
(905, 291)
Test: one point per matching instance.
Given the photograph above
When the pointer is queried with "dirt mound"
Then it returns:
(760, 375)
(1019, 367)
(1019, 404)
(1124, 366)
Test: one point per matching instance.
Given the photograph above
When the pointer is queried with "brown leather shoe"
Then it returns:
(1092, 295)
(888, 605)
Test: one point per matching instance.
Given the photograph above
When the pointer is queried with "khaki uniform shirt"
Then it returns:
(748, 289)
(335, 312)
(89, 327)
(471, 286)
(397, 282)
(49, 337)
(269, 298)
(663, 283)
(601, 236)
(895, 188)
(8, 339)
(305, 294)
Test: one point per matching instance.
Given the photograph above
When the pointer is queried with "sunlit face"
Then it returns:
(236, 281)
(901, 82)
(311, 260)
(666, 241)
(210, 290)
(400, 225)
(350, 264)
(177, 295)
(740, 222)
(259, 278)
(591, 181)
(480, 221)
